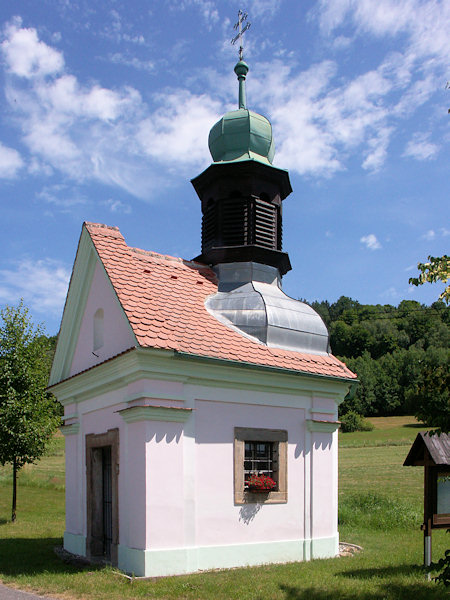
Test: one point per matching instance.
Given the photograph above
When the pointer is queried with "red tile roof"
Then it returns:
(164, 300)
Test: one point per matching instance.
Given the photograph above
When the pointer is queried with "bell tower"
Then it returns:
(241, 191)
(241, 196)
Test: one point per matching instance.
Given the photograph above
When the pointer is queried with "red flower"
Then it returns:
(261, 482)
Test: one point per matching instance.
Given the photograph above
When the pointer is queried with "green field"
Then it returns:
(380, 509)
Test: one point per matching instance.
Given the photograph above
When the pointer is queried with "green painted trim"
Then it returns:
(248, 365)
(149, 363)
(322, 426)
(322, 411)
(76, 544)
(79, 286)
(70, 429)
(71, 416)
(146, 394)
(325, 547)
(155, 413)
(158, 563)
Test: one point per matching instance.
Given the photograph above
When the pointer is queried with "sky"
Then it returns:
(106, 108)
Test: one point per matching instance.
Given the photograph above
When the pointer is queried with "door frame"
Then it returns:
(99, 440)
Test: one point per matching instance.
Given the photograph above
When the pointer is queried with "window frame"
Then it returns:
(279, 439)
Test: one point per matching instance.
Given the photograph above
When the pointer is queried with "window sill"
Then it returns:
(248, 497)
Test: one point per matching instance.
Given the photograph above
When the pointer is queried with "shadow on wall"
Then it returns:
(323, 445)
(248, 512)
(168, 437)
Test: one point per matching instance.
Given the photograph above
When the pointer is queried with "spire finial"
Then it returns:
(241, 68)
(242, 17)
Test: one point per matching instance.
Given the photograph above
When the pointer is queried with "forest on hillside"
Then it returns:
(400, 354)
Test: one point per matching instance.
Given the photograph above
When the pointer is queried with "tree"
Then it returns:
(436, 269)
(429, 394)
(29, 415)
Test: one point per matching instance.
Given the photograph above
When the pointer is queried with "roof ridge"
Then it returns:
(191, 263)
(101, 226)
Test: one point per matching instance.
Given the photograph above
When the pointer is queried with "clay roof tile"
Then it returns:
(163, 298)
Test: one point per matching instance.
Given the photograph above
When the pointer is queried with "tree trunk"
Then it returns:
(14, 498)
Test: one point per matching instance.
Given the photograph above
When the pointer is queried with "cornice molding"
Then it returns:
(165, 365)
(135, 414)
(70, 429)
(314, 425)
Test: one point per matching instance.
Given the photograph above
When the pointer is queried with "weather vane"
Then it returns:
(242, 17)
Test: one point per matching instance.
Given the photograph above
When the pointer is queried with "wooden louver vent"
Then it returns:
(234, 222)
(241, 221)
(265, 225)
(209, 226)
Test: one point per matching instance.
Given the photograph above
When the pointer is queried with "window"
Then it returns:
(258, 459)
(98, 329)
(261, 451)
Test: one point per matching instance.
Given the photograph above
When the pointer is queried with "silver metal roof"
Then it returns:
(250, 299)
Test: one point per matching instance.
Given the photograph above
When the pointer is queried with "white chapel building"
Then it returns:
(184, 382)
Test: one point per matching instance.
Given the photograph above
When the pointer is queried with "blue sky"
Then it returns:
(106, 108)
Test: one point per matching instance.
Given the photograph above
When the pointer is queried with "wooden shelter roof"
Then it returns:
(429, 449)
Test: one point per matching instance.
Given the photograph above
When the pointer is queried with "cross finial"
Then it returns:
(242, 17)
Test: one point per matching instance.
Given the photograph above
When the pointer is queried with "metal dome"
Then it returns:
(242, 134)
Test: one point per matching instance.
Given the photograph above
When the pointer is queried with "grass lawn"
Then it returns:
(380, 509)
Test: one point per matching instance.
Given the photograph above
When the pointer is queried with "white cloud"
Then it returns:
(26, 56)
(116, 30)
(424, 23)
(390, 293)
(116, 206)
(433, 234)
(377, 149)
(318, 122)
(429, 235)
(260, 8)
(420, 148)
(10, 162)
(42, 284)
(176, 133)
(207, 9)
(132, 61)
(409, 74)
(92, 132)
(61, 196)
(370, 241)
(320, 117)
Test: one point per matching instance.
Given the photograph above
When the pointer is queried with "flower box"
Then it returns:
(261, 483)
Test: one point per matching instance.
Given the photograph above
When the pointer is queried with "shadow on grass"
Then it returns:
(415, 425)
(395, 591)
(22, 556)
(382, 572)
(388, 586)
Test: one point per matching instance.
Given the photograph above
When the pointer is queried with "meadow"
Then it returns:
(380, 509)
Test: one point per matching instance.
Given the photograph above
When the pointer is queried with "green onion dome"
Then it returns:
(242, 134)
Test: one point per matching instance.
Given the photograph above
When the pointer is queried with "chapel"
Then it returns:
(200, 401)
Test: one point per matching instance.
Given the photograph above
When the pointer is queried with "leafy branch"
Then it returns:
(436, 269)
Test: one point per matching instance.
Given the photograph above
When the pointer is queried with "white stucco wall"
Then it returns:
(117, 333)
(218, 518)
(176, 496)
